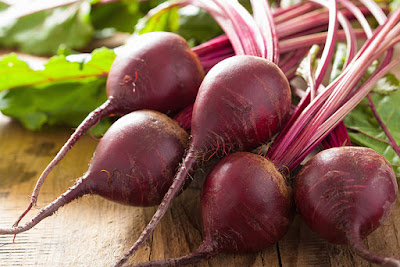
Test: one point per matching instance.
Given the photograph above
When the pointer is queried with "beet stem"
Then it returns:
(205, 251)
(354, 241)
(77, 190)
(184, 171)
(104, 110)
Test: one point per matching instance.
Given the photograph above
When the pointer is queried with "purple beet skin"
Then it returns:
(344, 194)
(246, 204)
(246, 207)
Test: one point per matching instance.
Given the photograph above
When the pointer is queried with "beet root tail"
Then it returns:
(74, 192)
(205, 251)
(390, 262)
(356, 244)
(92, 119)
(177, 185)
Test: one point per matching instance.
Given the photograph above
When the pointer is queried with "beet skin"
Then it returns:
(246, 206)
(344, 194)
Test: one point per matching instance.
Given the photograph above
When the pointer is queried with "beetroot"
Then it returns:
(134, 164)
(344, 194)
(246, 207)
(242, 102)
(155, 71)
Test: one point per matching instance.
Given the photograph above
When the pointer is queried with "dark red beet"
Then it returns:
(242, 102)
(246, 204)
(155, 71)
(344, 194)
(136, 160)
(134, 164)
(246, 207)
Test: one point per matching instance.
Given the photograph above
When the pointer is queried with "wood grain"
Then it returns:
(96, 232)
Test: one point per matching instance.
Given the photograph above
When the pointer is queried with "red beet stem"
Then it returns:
(77, 190)
(94, 117)
(205, 251)
(355, 243)
(184, 171)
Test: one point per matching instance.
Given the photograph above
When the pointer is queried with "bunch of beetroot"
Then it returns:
(243, 102)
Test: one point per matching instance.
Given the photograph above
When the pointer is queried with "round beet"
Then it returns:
(246, 207)
(136, 160)
(155, 71)
(344, 194)
(134, 164)
(246, 204)
(242, 102)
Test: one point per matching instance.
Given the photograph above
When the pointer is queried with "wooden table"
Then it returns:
(95, 232)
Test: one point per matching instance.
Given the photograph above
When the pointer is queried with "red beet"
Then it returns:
(246, 207)
(134, 164)
(242, 102)
(155, 71)
(344, 194)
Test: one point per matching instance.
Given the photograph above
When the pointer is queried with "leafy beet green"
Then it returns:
(61, 104)
(3, 6)
(196, 25)
(16, 73)
(387, 84)
(365, 130)
(120, 16)
(192, 23)
(60, 92)
(165, 20)
(42, 32)
(42, 29)
(394, 4)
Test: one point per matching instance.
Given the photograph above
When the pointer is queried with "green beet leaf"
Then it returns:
(196, 25)
(62, 92)
(365, 130)
(192, 23)
(44, 31)
(65, 104)
(3, 6)
(164, 20)
(387, 84)
(394, 4)
(120, 16)
(15, 73)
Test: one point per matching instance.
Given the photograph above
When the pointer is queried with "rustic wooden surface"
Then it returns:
(95, 232)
